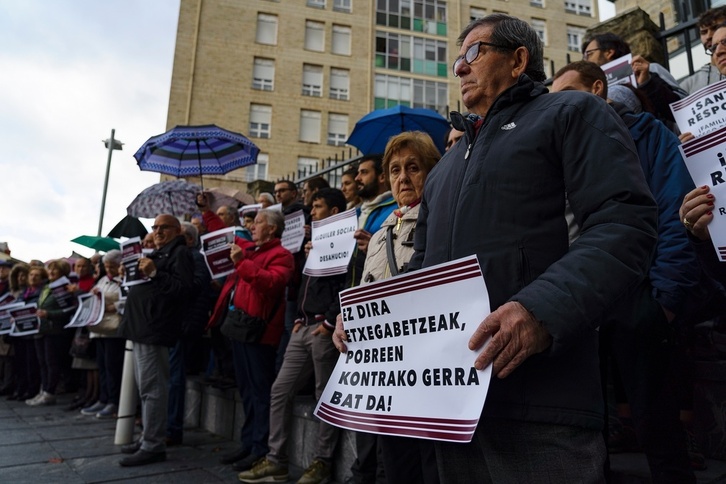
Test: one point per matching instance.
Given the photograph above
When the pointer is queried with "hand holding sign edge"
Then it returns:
(515, 336)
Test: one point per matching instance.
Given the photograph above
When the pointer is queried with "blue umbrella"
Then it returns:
(371, 133)
(195, 151)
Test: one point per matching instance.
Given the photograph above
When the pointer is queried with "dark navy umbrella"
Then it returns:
(371, 133)
(195, 151)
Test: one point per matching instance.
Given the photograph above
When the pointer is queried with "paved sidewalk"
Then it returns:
(47, 444)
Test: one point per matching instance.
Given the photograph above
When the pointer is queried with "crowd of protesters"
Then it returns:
(592, 239)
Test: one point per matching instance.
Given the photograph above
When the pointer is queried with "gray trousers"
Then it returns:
(510, 451)
(305, 354)
(151, 370)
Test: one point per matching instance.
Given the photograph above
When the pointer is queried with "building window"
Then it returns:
(257, 171)
(411, 54)
(263, 74)
(476, 13)
(337, 129)
(575, 36)
(418, 93)
(343, 5)
(579, 7)
(339, 84)
(306, 166)
(427, 16)
(314, 36)
(312, 81)
(260, 120)
(537, 3)
(316, 3)
(266, 29)
(310, 126)
(540, 27)
(341, 40)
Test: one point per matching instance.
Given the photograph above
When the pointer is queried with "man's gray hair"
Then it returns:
(273, 217)
(268, 196)
(512, 33)
(113, 256)
(189, 230)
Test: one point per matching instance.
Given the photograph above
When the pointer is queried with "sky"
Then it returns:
(72, 70)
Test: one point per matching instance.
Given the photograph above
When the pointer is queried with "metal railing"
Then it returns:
(330, 168)
(685, 32)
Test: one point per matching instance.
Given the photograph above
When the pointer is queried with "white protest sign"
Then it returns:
(408, 370)
(620, 71)
(333, 244)
(294, 233)
(90, 310)
(249, 208)
(703, 111)
(25, 320)
(705, 158)
(216, 247)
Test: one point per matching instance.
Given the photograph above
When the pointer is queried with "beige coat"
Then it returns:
(376, 265)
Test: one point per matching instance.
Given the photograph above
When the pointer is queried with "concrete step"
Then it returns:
(220, 411)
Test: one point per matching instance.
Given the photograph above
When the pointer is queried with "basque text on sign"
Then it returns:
(407, 370)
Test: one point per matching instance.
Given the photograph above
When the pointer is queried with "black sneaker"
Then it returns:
(141, 458)
(131, 448)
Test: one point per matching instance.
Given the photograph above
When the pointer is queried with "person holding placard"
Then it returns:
(561, 234)
(309, 352)
(696, 213)
(407, 161)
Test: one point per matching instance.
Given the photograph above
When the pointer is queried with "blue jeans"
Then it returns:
(177, 388)
(254, 367)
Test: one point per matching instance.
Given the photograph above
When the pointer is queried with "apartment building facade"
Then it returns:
(296, 75)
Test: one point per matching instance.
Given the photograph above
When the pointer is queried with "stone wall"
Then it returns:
(637, 29)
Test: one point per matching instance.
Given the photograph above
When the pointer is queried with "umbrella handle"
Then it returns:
(199, 159)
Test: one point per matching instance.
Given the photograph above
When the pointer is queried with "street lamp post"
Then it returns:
(111, 144)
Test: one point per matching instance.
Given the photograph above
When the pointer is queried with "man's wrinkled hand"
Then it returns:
(146, 266)
(515, 336)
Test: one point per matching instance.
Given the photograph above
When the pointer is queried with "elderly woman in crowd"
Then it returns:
(408, 159)
(26, 362)
(55, 310)
(109, 347)
(256, 290)
(18, 282)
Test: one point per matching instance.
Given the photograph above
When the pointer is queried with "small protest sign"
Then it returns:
(131, 252)
(620, 71)
(702, 112)
(90, 310)
(25, 320)
(216, 247)
(294, 233)
(333, 244)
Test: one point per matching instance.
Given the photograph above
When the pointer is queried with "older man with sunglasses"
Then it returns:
(561, 233)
